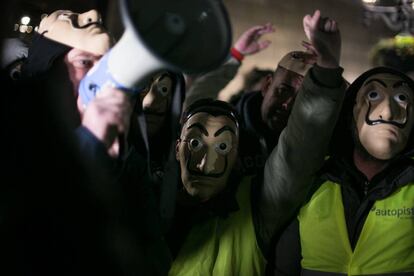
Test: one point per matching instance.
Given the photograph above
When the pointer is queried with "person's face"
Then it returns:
(79, 30)
(78, 63)
(207, 151)
(279, 93)
(156, 101)
(383, 115)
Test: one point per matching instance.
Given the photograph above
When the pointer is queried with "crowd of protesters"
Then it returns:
(301, 174)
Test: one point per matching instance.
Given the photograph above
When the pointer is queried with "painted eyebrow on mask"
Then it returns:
(399, 83)
(225, 128)
(73, 18)
(200, 127)
(163, 76)
(377, 80)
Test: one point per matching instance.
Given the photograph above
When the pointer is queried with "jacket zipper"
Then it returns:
(366, 186)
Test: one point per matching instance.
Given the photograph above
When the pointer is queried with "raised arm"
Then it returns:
(211, 83)
(292, 166)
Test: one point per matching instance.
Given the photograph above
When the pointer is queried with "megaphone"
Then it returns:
(191, 36)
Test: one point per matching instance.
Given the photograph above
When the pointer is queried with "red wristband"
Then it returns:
(236, 54)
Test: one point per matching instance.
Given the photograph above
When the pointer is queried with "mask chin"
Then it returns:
(378, 148)
(381, 153)
(360, 146)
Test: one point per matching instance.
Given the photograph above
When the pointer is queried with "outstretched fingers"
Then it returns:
(264, 44)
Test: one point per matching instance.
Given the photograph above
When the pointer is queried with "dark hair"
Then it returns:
(212, 107)
(254, 76)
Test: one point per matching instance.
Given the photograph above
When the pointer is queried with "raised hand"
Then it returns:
(248, 43)
(325, 39)
(309, 48)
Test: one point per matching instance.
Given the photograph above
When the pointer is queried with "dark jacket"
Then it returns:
(256, 141)
(86, 213)
(147, 172)
(357, 192)
(53, 223)
(283, 186)
(159, 152)
(358, 197)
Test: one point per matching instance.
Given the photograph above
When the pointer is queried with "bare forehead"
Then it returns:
(210, 122)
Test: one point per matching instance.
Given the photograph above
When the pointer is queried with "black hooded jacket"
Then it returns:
(147, 168)
(159, 151)
(52, 223)
(83, 217)
(256, 141)
(358, 194)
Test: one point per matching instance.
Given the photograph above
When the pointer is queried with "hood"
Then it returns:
(169, 133)
(248, 108)
(343, 142)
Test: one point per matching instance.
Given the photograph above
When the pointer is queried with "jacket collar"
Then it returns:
(397, 174)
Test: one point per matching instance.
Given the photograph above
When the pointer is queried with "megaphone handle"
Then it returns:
(99, 76)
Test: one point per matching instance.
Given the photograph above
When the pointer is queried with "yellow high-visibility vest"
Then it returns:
(385, 245)
(223, 246)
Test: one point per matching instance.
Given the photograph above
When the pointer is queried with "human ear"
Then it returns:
(266, 84)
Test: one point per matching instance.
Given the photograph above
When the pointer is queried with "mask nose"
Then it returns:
(152, 101)
(148, 100)
(88, 17)
(207, 164)
(390, 110)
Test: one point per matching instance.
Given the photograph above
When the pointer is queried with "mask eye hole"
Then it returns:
(163, 85)
(401, 98)
(223, 148)
(195, 144)
(162, 89)
(373, 95)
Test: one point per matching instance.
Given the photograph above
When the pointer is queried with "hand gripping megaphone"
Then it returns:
(190, 36)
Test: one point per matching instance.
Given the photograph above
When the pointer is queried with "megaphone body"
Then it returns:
(190, 36)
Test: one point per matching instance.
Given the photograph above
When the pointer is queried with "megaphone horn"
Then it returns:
(191, 36)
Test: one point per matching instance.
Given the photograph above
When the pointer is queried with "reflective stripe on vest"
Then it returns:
(385, 245)
(223, 246)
